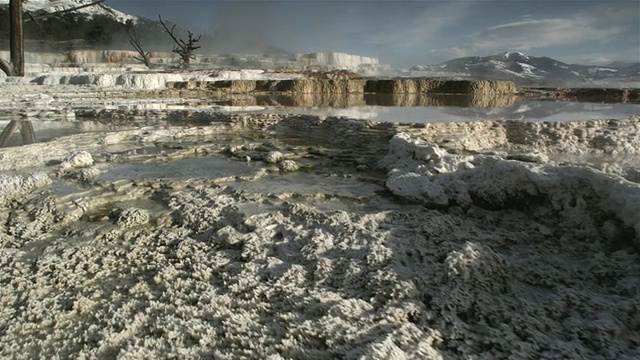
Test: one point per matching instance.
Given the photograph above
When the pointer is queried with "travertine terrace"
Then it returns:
(189, 233)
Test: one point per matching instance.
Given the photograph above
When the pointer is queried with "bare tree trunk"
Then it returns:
(17, 37)
(6, 133)
(27, 132)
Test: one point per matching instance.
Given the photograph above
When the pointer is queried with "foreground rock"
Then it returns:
(608, 145)
(180, 247)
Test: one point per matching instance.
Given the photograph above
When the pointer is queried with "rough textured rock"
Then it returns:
(78, 159)
(464, 253)
(288, 166)
(13, 187)
(274, 157)
(131, 217)
(589, 138)
(428, 174)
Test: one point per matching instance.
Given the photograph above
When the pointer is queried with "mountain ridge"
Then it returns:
(531, 70)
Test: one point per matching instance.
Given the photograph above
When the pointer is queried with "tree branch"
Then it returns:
(6, 67)
(170, 32)
(184, 49)
(134, 40)
(8, 130)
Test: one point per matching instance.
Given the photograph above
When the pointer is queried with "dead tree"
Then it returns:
(134, 40)
(16, 42)
(26, 130)
(184, 49)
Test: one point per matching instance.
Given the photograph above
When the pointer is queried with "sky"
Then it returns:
(406, 33)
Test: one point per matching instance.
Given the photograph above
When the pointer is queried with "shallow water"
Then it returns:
(202, 168)
(393, 109)
(526, 110)
(406, 107)
(18, 132)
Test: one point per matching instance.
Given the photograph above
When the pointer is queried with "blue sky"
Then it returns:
(406, 33)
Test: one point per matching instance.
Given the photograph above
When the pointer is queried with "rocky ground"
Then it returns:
(194, 234)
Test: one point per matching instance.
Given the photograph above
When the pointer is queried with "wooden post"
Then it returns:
(16, 45)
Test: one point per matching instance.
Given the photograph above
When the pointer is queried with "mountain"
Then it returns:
(36, 7)
(97, 26)
(530, 70)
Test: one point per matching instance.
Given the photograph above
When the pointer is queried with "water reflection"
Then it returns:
(419, 108)
(26, 130)
(336, 100)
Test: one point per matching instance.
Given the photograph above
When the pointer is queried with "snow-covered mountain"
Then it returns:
(51, 6)
(530, 70)
(96, 26)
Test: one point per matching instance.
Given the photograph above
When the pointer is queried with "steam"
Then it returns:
(249, 27)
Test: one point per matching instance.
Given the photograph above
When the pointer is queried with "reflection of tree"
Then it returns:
(26, 130)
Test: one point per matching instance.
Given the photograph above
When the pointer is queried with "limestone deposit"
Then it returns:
(117, 58)
(189, 233)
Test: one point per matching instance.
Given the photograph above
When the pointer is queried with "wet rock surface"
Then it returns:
(189, 236)
(609, 145)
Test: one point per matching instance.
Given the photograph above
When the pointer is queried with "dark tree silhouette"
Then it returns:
(184, 49)
(134, 40)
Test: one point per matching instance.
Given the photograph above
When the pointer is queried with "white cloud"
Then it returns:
(428, 25)
(602, 58)
(440, 55)
(593, 26)
(533, 34)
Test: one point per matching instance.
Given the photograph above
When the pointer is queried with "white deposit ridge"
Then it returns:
(116, 78)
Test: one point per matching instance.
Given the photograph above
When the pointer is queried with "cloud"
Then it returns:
(596, 26)
(602, 57)
(532, 34)
(439, 55)
(426, 26)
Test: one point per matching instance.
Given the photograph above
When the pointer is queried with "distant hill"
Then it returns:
(531, 70)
